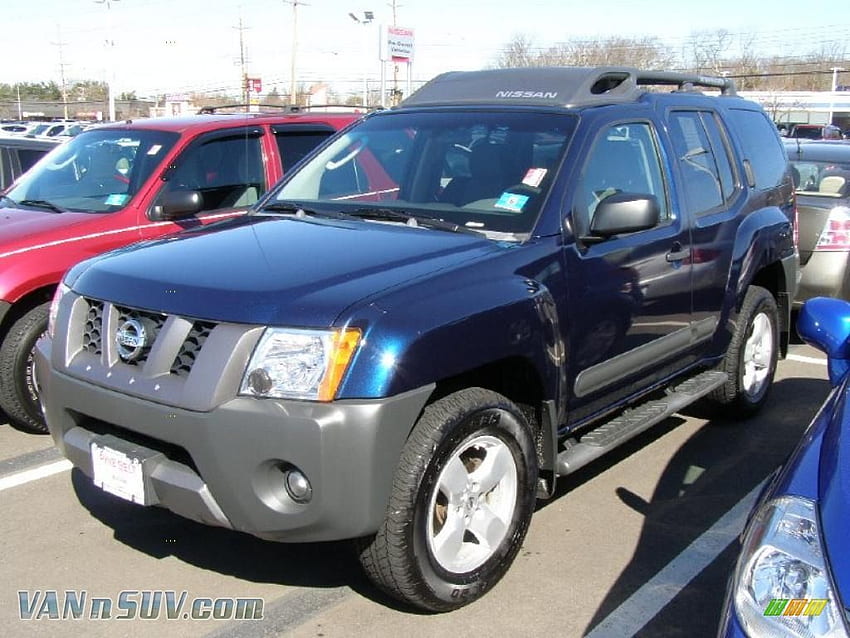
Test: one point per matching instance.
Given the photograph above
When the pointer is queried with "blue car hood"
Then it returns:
(272, 270)
(834, 492)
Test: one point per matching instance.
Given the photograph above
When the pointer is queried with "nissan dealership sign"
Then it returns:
(396, 44)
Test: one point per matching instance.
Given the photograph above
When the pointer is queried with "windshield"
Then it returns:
(97, 171)
(488, 171)
(829, 179)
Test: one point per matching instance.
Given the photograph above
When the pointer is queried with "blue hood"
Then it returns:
(272, 270)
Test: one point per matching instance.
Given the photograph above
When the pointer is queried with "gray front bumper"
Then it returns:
(228, 469)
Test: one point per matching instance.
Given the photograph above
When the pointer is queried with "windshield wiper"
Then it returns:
(411, 220)
(8, 199)
(299, 211)
(42, 203)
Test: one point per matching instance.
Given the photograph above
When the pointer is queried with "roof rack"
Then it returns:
(556, 86)
(210, 110)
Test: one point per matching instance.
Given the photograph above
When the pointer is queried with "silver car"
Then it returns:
(822, 173)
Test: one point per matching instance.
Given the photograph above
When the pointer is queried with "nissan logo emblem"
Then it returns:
(131, 340)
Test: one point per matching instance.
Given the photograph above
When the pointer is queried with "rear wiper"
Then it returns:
(411, 220)
(42, 203)
(299, 211)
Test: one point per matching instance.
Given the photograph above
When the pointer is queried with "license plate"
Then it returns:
(118, 474)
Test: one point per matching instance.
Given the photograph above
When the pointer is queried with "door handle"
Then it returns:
(678, 253)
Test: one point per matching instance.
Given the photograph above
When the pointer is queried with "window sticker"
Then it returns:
(534, 177)
(116, 199)
(511, 202)
(153, 150)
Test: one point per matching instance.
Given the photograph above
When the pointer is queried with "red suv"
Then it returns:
(121, 183)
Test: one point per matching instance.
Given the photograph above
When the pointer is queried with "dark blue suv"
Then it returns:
(436, 314)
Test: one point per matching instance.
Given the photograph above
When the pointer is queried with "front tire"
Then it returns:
(18, 384)
(462, 500)
(751, 358)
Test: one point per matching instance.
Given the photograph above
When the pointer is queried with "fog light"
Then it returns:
(297, 486)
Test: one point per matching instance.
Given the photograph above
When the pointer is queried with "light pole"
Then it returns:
(835, 71)
(368, 16)
(110, 73)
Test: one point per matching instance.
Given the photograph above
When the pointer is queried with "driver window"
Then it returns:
(624, 159)
(227, 172)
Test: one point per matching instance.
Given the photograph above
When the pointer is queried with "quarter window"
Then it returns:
(703, 157)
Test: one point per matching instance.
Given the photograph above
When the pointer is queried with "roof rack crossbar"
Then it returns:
(686, 80)
(209, 110)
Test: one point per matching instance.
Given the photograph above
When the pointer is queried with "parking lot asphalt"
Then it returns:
(640, 542)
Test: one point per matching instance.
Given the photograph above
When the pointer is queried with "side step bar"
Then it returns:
(632, 422)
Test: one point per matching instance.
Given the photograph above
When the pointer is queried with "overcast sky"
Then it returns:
(159, 46)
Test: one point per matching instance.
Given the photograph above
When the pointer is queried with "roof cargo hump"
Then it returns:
(555, 86)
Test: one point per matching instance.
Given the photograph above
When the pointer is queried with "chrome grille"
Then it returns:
(185, 359)
(152, 322)
(168, 345)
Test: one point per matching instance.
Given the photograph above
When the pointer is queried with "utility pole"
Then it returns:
(110, 74)
(293, 98)
(243, 74)
(62, 66)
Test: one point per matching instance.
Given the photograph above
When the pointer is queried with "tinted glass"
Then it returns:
(28, 157)
(697, 160)
(761, 146)
(293, 147)
(721, 153)
(486, 170)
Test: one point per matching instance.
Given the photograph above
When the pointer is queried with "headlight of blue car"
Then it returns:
(782, 585)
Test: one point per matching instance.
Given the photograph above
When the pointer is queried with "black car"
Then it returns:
(18, 154)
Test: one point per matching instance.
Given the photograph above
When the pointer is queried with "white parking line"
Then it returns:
(802, 359)
(643, 605)
(43, 471)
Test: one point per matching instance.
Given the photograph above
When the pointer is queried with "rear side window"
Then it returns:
(761, 145)
(294, 146)
(28, 157)
(703, 158)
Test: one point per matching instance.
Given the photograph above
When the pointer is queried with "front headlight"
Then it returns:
(61, 291)
(299, 364)
(782, 584)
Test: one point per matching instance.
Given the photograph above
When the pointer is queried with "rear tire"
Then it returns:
(18, 384)
(751, 358)
(461, 503)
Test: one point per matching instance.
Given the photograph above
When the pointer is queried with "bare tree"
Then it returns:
(517, 53)
(647, 52)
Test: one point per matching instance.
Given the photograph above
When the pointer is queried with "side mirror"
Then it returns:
(177, 205)
(625, 213)
(824, 323)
